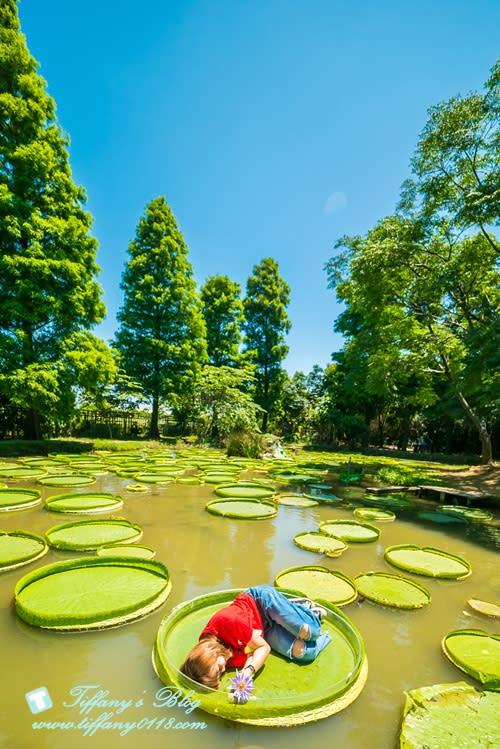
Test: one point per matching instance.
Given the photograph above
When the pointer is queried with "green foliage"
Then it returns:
(421, 289)
(161, 337)
(48, 294)
(223, 313)
(266, 324)
(404, 475)
(244, 444)
(222, 406)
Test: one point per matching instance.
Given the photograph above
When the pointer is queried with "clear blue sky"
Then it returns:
(272, 127)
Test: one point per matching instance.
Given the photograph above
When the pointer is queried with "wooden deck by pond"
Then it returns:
(443, 493)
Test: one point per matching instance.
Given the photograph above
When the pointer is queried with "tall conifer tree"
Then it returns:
(49, 298)
(266, 324)
(162, 333)
(223, 314)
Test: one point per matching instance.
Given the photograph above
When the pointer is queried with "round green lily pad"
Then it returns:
(83, 503)
(374, 513)
(387, 501)
(296, 500)
(318, 583)
(440, 517)
(427, 561)
(392, 590)
(91, 593)
(484, 607)
(22, 472)
(286, 693)
(293, 478)
(67, 480)
(246, 489)
(20, 547)
(245, 509)
(319, 542)
(154, 478)
(126, 550)
(324, 498)
(350, 530)
(477, 653)
(450, 716)
(220, 478)
(86, 535)
(18, 499)
(475, 514)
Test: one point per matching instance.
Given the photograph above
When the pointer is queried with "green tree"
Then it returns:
(424, 305)
(266, 324)
(221, 405)
(49, 298)
(223, 314)
(456, 166)
(161, 337)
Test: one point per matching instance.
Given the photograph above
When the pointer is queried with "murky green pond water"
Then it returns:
(205, 553)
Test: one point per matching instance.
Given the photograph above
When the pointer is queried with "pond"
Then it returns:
(109, 672)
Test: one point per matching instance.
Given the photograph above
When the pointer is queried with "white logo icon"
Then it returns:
(38, 700)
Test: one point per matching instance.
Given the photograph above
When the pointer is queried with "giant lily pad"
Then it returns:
(474, 514)
(126, 550)
(245, 509)
(296, 500)
(350, 530)
(20, 547)
(148, 477)
(286, 693)
(318, 583)
(86, 535)
(392, 590)
(67, 480)
(22, 472)
(450, 716)
(477, 653)
(91, 593)
(83, 503)
(324, 498)
(320, 543)
(427, 561)
(484, 607)
(374, 513)
(246, 489)
(18, 499)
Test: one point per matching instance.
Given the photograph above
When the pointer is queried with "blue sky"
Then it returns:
(272, 127)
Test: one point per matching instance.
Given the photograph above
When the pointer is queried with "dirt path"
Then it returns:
(479, 478)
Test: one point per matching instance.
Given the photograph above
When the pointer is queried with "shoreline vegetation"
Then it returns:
(452, 471)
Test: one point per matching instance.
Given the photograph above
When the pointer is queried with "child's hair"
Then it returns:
(200, 660)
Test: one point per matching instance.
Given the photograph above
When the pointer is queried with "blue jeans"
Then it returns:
(283, 620)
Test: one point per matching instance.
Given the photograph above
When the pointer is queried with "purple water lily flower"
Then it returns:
(241, 687)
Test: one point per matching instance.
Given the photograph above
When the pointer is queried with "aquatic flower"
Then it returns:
(241, 687)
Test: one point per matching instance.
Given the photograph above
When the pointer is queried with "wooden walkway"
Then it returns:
(443, 492)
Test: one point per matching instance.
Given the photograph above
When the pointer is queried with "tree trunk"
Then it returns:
(153, 429)
(32, 427)
(480, 425)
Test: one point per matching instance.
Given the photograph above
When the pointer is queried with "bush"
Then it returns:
(244, 444)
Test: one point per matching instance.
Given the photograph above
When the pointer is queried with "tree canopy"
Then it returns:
(223, 314)
(161, 335)
(266, 324)
(422, 288)
(49, 297)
